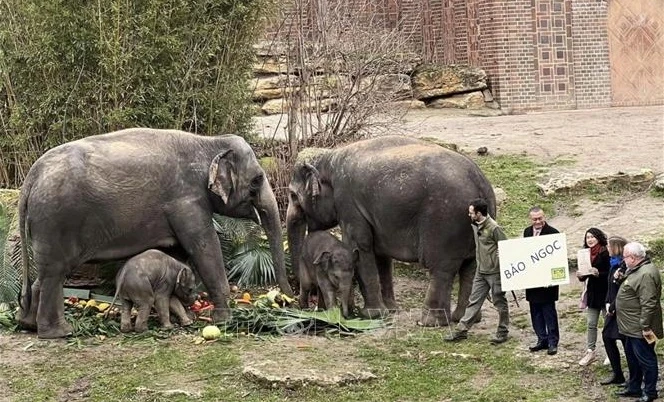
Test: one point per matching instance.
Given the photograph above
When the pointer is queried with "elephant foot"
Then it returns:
(391, 305)
(167, 326)
(220, 315)
(53, 332)
(185, 322)
(126, 328)
(141, 328)
(375, 312)
(429, 319)
(28, 323)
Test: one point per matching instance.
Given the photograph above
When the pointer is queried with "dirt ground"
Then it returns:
(589, 143)
(595, 142)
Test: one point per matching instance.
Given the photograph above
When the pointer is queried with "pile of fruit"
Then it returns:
(268, 313)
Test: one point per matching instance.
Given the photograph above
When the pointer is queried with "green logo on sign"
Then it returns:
(558, 273)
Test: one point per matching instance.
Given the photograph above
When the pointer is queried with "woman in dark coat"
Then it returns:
(596, 287)
(610, 334)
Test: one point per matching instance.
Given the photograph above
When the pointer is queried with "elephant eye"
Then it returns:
(257, 182)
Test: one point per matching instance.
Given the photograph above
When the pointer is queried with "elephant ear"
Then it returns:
(312, 178)
(322, 258)
(221, 175)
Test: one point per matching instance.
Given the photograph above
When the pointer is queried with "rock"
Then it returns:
(273, 87)
(408, 104)
(441, 143)
(471, 100)
(574, 184)
(431, 81)
(658, 184)
(262, 373)
(275, 106)
(397, 84)
(501, 195)
(482, 151)
(278, 106)
(271, 65)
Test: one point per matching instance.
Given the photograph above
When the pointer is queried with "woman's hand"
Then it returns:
(594, 271)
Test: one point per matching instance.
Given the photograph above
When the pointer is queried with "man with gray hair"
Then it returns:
(639, 316)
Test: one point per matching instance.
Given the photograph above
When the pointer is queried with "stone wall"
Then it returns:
(538, 54)
(416, 86)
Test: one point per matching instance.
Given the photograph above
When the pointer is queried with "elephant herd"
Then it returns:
(116, 195)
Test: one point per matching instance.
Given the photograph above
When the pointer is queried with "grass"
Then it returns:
(517, 175)
(423, 368)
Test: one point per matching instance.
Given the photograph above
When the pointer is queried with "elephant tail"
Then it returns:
(118, 284)
(26, 292)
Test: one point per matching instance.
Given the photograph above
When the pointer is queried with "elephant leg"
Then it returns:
(51, 308)
(385, 272)
(439, 293)
(161, 304)
(178, 309)
(143, 307)
(370, 287)
(205, 251)
(305, 285)
(466, 275)
(29, 321)
(367, 271)
(125, 316)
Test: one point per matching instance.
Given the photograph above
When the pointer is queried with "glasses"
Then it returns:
(626, 256)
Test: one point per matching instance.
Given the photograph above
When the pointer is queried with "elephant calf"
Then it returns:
(154, 278)
(329, 265)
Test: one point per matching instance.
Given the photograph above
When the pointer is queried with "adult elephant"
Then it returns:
(394, 198)
(112, 196)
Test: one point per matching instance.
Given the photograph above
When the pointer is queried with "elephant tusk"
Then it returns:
(258, 217)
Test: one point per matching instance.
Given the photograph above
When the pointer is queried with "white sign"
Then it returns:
(533, 262)
(583, 259)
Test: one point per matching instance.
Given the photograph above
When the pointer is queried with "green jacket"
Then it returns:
(638, 305)
(487, 235)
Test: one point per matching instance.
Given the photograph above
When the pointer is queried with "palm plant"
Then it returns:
(246, 251)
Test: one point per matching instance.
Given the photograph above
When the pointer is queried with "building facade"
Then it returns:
(538, 54)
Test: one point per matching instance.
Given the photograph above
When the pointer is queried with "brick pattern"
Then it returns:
(554, 71)
(590, 53)
(538, 54)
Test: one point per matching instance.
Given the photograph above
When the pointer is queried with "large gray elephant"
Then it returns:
(394, 198)
(112, 196)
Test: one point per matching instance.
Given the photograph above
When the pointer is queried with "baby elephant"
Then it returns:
(328, 264)
(154, 278)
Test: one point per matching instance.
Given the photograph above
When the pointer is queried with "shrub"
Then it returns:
(70, 69)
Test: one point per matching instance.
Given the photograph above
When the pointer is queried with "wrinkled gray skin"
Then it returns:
(112, 196)
(328, 264)
(153, 278)
(394, 198)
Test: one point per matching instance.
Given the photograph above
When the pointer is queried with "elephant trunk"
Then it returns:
(296, 228)
(346, 295)
(269, 216)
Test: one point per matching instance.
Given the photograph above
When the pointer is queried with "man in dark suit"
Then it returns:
(542, 301)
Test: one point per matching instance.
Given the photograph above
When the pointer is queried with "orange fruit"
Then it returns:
(246, 296)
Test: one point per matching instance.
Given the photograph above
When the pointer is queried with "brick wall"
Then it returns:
(590, 54)
(538, 54)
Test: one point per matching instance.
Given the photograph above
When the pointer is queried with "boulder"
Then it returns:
(397, 84)
(471, 100)
(278, 106)
(271, 65)
(272, 87)
(637, 180)
(430, 81)
(408, 104)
